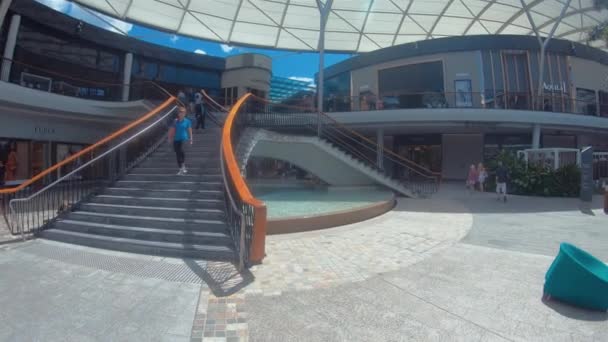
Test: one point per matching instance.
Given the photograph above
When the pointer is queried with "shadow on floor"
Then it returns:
(223, 278)
(574, 312)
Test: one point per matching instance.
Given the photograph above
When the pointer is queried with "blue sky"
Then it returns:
(284, 63)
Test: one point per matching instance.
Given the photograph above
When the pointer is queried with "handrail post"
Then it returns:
(242, 244)
(258, 243)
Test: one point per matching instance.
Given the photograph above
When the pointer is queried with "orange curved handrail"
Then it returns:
(88, 149)
(411, 163)
(257, 248)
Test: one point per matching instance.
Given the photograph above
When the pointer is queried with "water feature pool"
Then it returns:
(283, 201)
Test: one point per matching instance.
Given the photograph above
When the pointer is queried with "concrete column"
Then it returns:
(536, 136)
(4, 6)
(380, 148)
(9, 48)
(126, 77)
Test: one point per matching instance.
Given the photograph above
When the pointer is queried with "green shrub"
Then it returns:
(535, 180)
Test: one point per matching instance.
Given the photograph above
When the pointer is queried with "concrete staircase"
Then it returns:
(327, 161)
(153, 211)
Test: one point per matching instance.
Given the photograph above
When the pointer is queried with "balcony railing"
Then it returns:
(487, 100)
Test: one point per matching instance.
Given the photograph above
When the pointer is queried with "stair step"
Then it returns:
(202, 151)
(141, 246)
(185, 213)
(215, 163)
(214, 203)
(211, 225)
(175, 235)
(172, 177)
(183, 193)
(179, 185)
(190, 159)
(173, 170)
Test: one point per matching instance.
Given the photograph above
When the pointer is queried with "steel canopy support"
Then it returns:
(543, 44)
(4, 6)
(324, 10)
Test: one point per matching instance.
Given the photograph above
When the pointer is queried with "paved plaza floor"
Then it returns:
(457, 267)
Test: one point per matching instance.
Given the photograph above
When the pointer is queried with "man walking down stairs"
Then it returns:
(152, 210)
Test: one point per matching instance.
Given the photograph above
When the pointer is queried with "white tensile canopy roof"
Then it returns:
(353, 25)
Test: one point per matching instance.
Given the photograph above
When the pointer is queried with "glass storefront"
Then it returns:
(53, 61)
(412, 86)
(585, 101)
(337, 92)
(22, 159)
(511, 81)
(50, 60)
(424, 150)
(173, 77)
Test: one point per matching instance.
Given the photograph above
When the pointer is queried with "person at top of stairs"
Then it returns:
(179, 133)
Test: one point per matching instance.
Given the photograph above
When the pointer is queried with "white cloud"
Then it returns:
(200, 52)
(303, 79)
(226, 48)
(174, 38)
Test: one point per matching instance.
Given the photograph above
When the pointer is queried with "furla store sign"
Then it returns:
(555, 87)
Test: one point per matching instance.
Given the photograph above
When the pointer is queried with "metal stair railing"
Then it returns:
(246, 215)
(260, 113)
(38, 202)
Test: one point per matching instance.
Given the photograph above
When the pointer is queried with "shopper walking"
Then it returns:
(482, 175)
(502, 175)
(179, 133)
(472, 178)
(199, 110)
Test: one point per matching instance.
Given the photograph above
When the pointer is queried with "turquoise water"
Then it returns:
(288, 202)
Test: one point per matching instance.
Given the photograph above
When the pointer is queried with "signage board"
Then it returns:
(555, 88)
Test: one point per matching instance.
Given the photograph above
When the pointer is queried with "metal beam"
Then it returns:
(124, 15)
(112, 7)
(534, 29)
(369, 8)
(355, 28)
(476, 18)
(4, 6)
(185, 8)
(236, 15)
(473, 15)
(569, 14)
(430, 34)
(277, 24)
(324, 11)
(559, 20)
(276, 42)
(403, 16)
(544, 44)
(523, 10)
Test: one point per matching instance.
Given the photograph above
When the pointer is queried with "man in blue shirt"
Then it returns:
(179, 133)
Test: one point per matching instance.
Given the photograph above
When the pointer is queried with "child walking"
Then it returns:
(179, 133)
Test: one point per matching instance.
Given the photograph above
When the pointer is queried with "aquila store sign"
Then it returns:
(555, 87)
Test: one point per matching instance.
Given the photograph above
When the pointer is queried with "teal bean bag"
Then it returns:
(578, 278)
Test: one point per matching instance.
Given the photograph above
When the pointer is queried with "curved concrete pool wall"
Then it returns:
(295, 224)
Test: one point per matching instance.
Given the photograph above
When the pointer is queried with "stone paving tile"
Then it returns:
(355, 252)
(220, 318)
